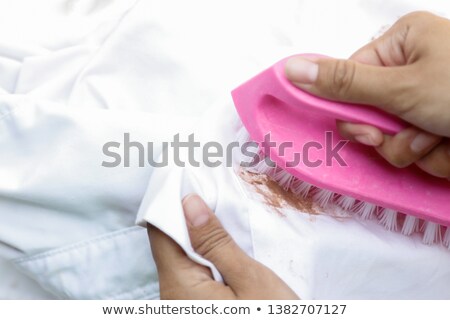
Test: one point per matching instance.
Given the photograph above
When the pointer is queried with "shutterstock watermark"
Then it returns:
(214, 154)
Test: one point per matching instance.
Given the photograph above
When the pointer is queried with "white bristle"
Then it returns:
(431, 232)
(446, 240)
(265, 166)
(346, 202)
(283, 178)
(410, 225)
(301, 188)
(323, 197)
(389, 219)
(365, 210)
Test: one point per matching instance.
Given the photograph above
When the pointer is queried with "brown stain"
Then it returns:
(274, 195)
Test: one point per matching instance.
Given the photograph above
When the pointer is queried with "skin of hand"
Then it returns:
(405, 72)
(182, 278)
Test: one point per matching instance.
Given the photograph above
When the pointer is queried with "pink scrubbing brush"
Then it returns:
(405, 199)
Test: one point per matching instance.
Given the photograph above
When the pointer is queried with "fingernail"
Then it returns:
(366, 139)
(301, 70)
(422, 142)
(195, 210)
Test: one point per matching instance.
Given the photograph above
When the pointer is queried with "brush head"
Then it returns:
(342, 205)
(297, 131)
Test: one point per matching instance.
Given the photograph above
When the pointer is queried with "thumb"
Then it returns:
(351, 81)
(212, 241)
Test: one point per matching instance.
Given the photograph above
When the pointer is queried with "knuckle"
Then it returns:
(404, 97)
(396, 157)
(420, 20)
(211, 241)
(437, 163)
(417, 15)
(398, 160)
(343, 74)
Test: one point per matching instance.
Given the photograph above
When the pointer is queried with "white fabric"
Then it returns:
(319, 256)
(77, 74)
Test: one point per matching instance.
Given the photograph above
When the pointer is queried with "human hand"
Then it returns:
(405, 72)
(182, 278)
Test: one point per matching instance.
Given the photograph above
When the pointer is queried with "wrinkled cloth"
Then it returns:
(78, 74)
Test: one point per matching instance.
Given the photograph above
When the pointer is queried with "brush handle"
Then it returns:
(281, 88)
